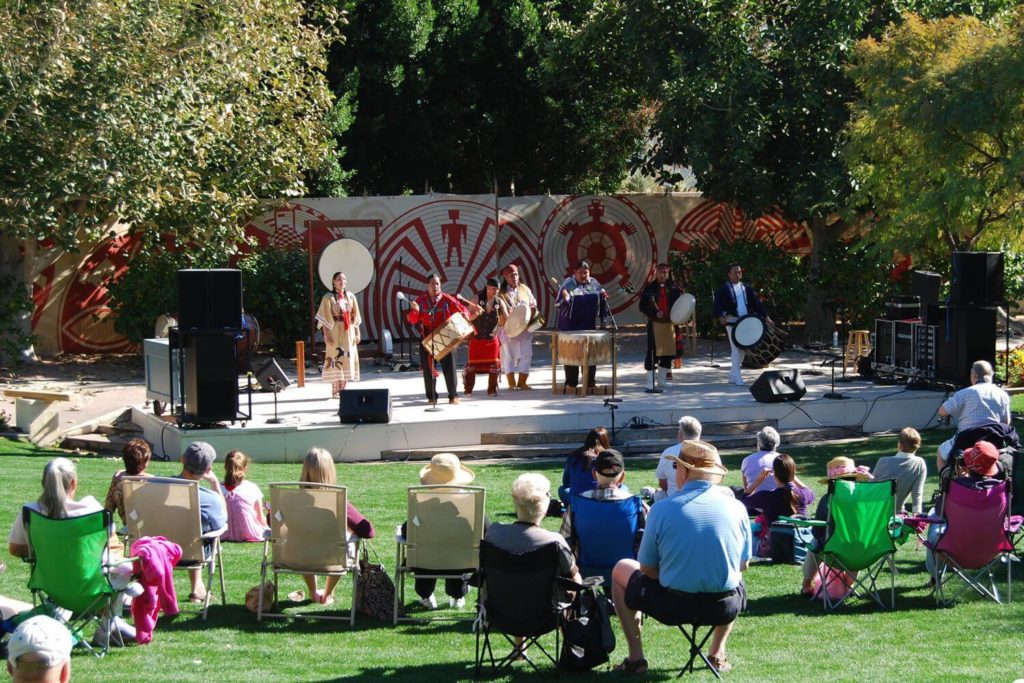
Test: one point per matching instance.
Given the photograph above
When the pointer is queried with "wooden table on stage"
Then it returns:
(584, 348)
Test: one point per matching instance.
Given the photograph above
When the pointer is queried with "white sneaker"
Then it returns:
(456, 603)
(430, 602)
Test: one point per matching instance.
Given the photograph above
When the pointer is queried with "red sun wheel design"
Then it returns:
(453, 237)
(710, 224)
(285, 228)
(612, 233)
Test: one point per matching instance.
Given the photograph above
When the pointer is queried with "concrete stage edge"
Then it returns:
(310, 416)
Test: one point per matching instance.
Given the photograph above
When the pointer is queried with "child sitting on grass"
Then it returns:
(246, 522)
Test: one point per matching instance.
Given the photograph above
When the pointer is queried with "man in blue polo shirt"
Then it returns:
(197, 465)
(689, 568)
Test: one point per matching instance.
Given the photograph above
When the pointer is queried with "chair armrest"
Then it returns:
(798, 521)
(216, 533)
(923, 519)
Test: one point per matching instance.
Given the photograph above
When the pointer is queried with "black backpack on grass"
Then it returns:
(587, 630)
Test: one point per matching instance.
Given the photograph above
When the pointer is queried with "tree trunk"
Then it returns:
(16, 263)
(820, 314)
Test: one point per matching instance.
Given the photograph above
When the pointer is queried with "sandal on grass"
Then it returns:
(637, 668)
(721, 664)
(197, 599)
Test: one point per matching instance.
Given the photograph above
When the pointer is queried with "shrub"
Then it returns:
(15, 304)
(277, 293)
(857, 280)
(1015, 373)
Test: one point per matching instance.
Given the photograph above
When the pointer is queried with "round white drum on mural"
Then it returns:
(349, 257)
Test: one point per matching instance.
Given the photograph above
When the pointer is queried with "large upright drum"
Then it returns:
(763, 341)
(448, 336)
(584, 348)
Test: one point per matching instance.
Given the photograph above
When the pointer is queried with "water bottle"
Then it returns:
(835, 339)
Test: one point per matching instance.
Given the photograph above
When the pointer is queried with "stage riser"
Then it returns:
(669, 433)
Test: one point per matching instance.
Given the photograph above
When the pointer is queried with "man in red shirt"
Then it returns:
(429, 312)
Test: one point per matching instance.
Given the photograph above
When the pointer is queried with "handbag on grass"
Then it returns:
(375, 595)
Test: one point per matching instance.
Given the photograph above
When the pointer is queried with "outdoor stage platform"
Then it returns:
(310, 416)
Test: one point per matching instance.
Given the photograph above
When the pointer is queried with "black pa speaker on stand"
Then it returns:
(776, 386)
(271, 377)
(358, 406)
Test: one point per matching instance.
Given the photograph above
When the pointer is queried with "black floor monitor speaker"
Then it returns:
(776, 386)
(977, 279)
(271, 377)
(211, 380)
(365, 405)
(209, 299)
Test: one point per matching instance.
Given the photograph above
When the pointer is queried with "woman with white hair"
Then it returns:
(531, 495)
(761, 460)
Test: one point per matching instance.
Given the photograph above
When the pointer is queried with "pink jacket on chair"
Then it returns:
(157, 559)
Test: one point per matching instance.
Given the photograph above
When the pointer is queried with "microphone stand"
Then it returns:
(432, 368)
(615, 328)
(832, 394)
(843, 338)
(652, 359)
(609, 403)
(275, 386)
(714, 333)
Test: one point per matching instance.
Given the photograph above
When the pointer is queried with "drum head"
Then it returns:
(682, 309)
(518, 320)
(163, 325)
(747, 331)
(349, 257)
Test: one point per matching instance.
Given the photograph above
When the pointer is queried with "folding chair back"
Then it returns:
(976, 524)
(444, 527)
(155, 506)
(860, 514)
(519, 599)
(606, 532)
(309, 527)
(68, 558)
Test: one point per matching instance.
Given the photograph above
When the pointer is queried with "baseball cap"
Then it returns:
(198, 457)
(43, 636)
(609, 463)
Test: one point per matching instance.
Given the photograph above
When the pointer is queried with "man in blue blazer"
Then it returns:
(733, 300)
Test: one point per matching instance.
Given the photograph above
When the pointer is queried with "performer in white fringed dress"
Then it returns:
(338, 317)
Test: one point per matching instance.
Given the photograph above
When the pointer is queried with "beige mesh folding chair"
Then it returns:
(156, 506)
(444, 527)
(309, 536)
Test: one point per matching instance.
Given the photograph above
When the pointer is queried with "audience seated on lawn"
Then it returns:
(689, 430)
(908, 469)
(837, 468)
(60, 483)
(982, 413)
(40, 651)
(444, 468)
(576, 475)
(788, 496)
(318, 468)
(246, 519)
(136, 455)
(609, 474)
(689, 568)
(760, 461)
(196, 465)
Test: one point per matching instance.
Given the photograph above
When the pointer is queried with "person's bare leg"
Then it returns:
(327, 597)
(310, 580)
(718, 638)
(195, 577)
(627, 617)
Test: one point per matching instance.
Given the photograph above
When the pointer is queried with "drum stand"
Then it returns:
(832, 394)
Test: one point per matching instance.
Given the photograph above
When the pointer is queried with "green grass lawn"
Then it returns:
(781, 637)
(1017, 403)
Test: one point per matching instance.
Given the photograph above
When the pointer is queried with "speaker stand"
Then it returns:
(833, 394)
(275, 386)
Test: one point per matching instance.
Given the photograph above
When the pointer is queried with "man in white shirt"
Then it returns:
(982, 412)
(733, 300)
(689, 430)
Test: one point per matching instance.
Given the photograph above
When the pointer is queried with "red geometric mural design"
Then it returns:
(711, 224)
(612, 233)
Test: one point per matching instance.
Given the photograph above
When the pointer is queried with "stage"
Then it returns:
(310, 417)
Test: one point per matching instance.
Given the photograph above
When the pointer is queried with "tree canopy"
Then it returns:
(936, 142)
(174, 116)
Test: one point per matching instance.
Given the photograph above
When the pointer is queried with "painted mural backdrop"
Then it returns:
(465, 238)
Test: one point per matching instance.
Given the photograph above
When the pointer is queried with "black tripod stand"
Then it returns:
(833, 394)
(275, 386)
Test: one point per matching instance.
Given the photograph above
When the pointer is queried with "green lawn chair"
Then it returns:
(69, 569)
(860, 541)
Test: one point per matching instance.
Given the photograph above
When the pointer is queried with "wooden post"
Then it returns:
(300, 363)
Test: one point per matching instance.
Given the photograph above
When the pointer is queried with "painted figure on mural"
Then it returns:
(338, 317)
(656, 303)
(453, 234)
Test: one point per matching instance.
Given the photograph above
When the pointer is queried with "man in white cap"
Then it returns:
(40, 651)
(692, 556)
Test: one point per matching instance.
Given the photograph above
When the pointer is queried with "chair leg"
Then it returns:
(355, 594)
(220, 569)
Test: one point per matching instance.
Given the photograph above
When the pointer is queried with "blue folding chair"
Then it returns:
(604, 532)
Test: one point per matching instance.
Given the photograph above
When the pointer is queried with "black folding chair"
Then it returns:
(521, 596)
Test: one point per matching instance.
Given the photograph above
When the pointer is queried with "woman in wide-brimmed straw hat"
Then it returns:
(444, 469)
(840, 467)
